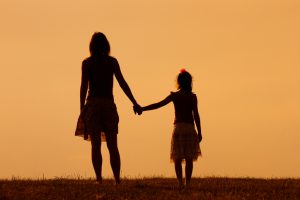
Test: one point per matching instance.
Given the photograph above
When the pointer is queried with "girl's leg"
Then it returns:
(97, 158)
(188, 170)
(178, 170)
(112, 145)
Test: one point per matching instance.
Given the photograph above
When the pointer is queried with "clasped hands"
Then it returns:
(137, 109)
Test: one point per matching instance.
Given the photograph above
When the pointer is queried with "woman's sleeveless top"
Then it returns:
(100, 73)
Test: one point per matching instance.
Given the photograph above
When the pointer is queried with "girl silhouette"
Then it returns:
(185, 140)
(99, 117)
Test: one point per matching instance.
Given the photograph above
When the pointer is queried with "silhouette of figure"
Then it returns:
(98, 120)
(185, 140)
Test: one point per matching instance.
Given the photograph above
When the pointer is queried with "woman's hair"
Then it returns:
(99, 44)
(184, 80)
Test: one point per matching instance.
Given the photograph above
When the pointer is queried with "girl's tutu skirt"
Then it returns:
(184, 143)
(98, 116)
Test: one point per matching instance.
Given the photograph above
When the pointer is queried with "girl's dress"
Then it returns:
(184, 143)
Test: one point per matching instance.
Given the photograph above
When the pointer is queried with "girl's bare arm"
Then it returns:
(158, 105)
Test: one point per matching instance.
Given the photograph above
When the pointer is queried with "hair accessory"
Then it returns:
(182, 70)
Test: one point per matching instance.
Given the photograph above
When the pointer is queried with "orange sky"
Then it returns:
(243, 55)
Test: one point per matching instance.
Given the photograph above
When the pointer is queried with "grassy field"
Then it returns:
(151, 188)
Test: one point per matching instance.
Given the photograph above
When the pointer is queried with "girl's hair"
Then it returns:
(184, 81)
(99, 44)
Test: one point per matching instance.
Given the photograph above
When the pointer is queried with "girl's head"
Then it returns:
(184, 80)
(99, 44)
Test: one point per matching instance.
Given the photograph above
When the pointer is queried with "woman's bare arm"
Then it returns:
(123, 84)
(158, 105)
(197, 118)
(84, 84)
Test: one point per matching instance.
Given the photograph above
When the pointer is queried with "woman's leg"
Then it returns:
(97, 158)
(188, 170)
(178, 170)
(112, 145)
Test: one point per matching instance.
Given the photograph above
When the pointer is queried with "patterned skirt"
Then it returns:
(184, 143)
(98, 116)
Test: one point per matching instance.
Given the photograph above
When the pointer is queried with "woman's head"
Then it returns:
(184, 80)
(99, 44)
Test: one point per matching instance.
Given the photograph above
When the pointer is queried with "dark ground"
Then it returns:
(151, 188)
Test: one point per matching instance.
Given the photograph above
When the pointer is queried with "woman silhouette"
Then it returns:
(98, 117)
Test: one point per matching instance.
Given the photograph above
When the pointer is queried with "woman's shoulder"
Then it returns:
(110, 58)
(87, 60)
(85, 63)
(93, 58)
(98, 59)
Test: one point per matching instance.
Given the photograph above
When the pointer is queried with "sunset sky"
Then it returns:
(243, 55)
